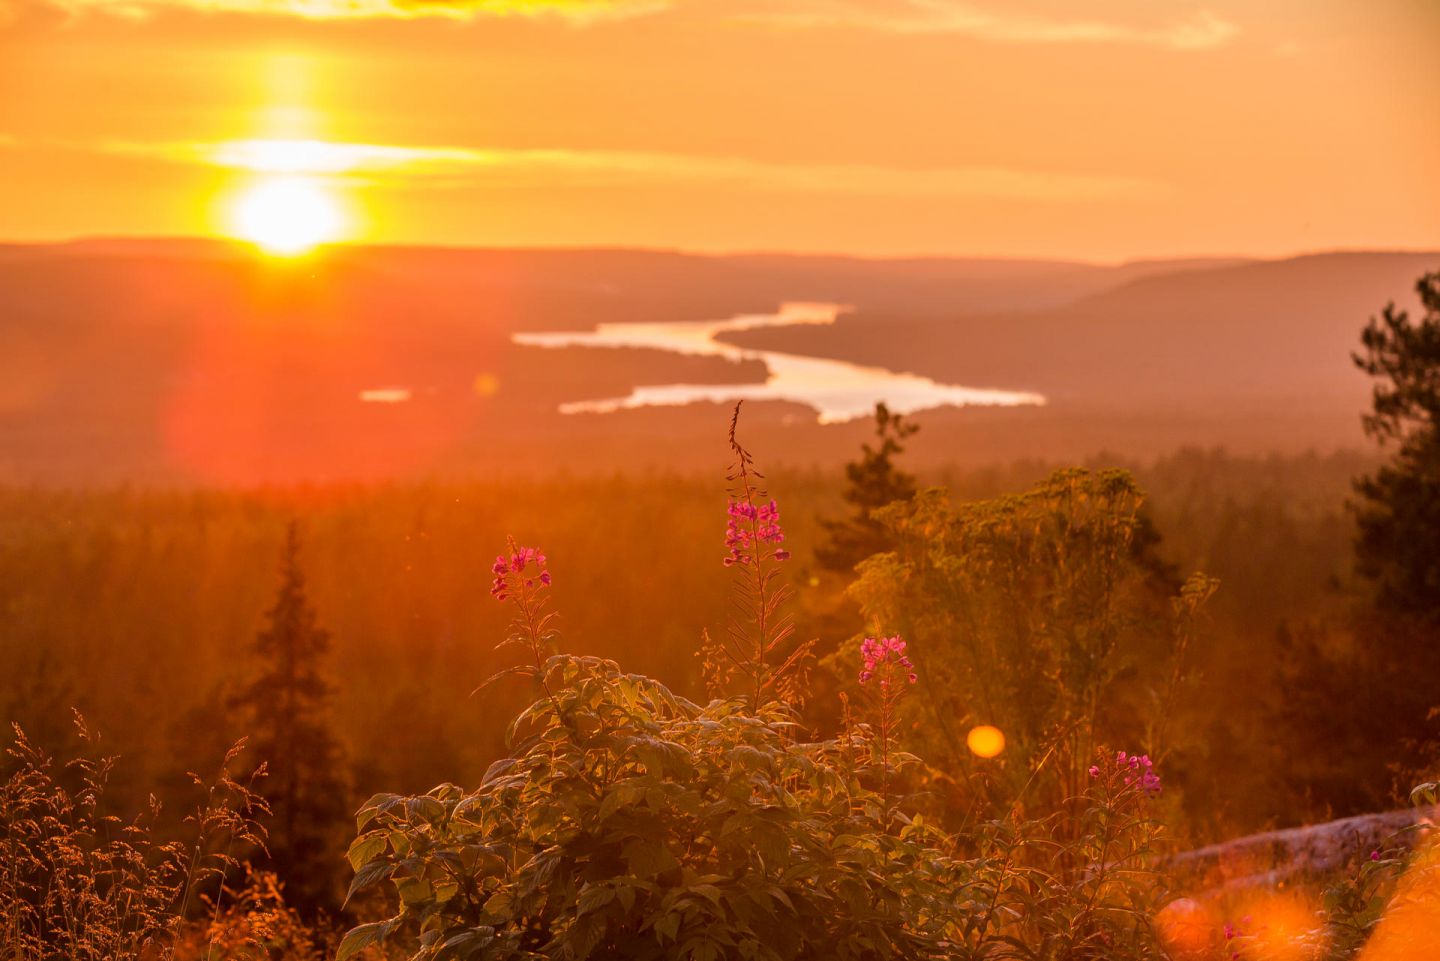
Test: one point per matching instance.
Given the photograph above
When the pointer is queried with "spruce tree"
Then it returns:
(1363, 708)
(1398, 511)
(873, 482)
(286, 709)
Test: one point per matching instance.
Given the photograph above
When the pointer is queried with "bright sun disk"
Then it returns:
(287, 215)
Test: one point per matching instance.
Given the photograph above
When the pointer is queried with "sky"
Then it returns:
(1102, 130)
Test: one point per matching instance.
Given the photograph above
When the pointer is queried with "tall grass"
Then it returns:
(81, 882)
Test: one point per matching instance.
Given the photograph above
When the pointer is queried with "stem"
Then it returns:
(758, 670)
(529, 612)
(885, 705)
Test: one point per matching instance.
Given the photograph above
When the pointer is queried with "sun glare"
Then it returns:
(287, 216)
(985, 741)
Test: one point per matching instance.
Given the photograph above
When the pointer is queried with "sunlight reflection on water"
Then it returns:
(838, 391)
(385, 395)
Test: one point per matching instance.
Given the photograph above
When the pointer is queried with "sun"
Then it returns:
(287, 216)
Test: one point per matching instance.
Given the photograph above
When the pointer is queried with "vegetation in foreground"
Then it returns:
(631, 821)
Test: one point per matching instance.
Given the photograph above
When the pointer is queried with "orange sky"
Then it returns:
(1098, 130)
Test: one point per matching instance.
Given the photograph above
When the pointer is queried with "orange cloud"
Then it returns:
(385, 163)
(993, 22)
(581, 11)
(1203, 30)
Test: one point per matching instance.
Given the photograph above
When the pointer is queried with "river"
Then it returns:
(836, 390)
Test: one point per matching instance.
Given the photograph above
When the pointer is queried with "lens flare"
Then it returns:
(287, 216)
(1410, 926)
(985, 741)
(1189, 930)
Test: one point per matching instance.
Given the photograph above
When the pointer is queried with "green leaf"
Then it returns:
(626, 895)
(707, 891)
(365, 847)
(426, 808)
(466, 942)
(584, 934)
(360, 938)
(368, 876)
(647, 859)
(377, 804)
(594, 896)
(414, 891)
(668, 926)
(500, 904)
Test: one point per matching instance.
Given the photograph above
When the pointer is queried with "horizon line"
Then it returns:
(718, 253)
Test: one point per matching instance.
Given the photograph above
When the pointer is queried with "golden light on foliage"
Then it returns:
(1189, 930)
(985, 741)
(287, 216)
(1410, 927)
(1282, 927)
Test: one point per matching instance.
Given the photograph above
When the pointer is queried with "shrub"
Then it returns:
(631, 823)
(256, 923)
(1039, 614)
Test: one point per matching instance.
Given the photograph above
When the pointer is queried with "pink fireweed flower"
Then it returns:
(517, 563)
(886, 658)
(749, 527)
(1138, 770)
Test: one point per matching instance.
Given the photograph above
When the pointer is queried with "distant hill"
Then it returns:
(182, 360)
(1232, 337)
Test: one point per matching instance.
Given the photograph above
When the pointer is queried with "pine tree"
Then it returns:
(1398, 514)
(874, 481)
(285, 707)
(1364, 707)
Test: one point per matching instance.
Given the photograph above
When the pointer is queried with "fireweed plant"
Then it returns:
(522, 576)
(885, 673)
(631, 824)
(755, 651)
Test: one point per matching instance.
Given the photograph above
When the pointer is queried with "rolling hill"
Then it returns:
(186, 361)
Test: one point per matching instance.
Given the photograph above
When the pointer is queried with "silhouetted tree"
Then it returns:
(873, 482)
(286, 709)
(1398, 513)
(1363, 707)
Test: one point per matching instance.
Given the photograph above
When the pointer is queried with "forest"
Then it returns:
(719, 480)
(1016, 712)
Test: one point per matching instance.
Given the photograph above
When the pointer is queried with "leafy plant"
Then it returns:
(1032, 613)
(756, 648)
(631, 823)
(254, 924)
(1390, 901)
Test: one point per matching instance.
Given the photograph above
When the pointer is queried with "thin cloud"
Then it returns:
(1200, 31)
(393, 165)
(575, 11)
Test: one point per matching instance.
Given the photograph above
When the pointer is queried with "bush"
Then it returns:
(1042, 614)
(630, 823)
(633, 824)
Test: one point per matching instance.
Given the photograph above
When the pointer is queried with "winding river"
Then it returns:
(836, 390)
